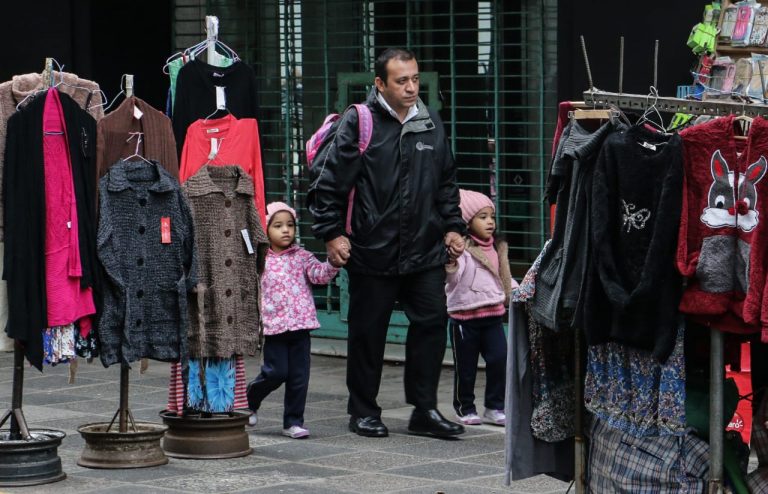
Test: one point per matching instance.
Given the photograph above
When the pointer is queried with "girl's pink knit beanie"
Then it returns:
(276, 207)
(472, 202)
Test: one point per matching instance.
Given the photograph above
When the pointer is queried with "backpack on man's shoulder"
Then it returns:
(364, 133)
(364, 127)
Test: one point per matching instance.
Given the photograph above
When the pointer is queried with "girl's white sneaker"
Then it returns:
(469, 419)
(253, 419)
(495, 417)
(296, 432)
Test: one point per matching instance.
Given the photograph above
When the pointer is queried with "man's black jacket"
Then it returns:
(406, 198)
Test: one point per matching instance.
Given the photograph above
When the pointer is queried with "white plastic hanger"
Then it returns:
(136, 154)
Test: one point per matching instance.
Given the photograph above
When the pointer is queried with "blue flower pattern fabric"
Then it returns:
(211, 386)
(632, 392)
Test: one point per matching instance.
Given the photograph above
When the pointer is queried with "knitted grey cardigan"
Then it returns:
(145, 295)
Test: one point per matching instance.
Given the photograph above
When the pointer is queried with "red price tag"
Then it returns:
(165, 230)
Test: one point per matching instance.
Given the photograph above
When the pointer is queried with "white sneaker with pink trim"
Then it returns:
(469, 419)
(495, 417)
(296, 432)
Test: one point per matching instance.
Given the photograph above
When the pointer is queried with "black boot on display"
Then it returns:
(368, 427)
(431, 422)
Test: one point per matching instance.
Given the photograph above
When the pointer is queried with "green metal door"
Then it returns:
(491, 71)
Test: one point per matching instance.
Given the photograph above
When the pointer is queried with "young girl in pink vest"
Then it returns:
(288, 314)
(477, 287)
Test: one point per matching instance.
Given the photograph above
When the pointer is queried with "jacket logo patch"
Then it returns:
(732, 199)
(634, 219)
(421, 146)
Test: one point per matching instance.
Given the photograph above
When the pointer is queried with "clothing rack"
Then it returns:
(597, 98)
(626, 101)
(19, 428)
(123, 411)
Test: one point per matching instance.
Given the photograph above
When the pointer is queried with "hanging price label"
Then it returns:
(165, 230)
(221, 98)
(247, 240)
(214, 148)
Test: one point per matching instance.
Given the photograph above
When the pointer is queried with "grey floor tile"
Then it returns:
(137, 489)
(452, 449)
(139, 475)
(367, 461)
(371, 483)
(297, 471)
(250, 461)
(495, 459)
(73, 484)
(315, 487)
(222, 483)
(540, 484)
(393, 441)
(297, 450)
(443, 470)
(453, 489)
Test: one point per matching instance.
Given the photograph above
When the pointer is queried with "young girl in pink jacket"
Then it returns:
(477, 288)
(288, 314)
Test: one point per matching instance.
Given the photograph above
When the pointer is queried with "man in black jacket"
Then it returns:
(405, 222)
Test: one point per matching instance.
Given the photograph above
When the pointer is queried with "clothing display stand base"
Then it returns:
(206, 438)
(27, 457)
(134, 446)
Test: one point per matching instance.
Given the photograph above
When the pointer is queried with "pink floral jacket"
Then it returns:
(286, 289)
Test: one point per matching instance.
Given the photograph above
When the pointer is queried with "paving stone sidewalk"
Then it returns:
(331, 460)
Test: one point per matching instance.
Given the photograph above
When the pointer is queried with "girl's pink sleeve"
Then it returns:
(319, 273)
(453, 273)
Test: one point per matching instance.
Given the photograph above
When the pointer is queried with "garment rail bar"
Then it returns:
(674, 105)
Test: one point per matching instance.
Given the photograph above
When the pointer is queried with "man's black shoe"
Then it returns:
(368, 427)
(431, 422)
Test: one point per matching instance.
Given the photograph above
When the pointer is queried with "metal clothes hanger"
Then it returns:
(212, 39)
(47, 81)
(651, 112)
(104, 103)
(136, 154)
(743, 123)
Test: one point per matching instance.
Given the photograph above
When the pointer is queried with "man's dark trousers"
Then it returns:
(371, 301)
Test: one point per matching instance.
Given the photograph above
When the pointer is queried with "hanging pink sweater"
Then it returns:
(67, 301)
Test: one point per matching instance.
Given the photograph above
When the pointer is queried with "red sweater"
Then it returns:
(722, 242)
(237, 142)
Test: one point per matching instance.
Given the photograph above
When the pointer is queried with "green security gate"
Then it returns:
(488, 66)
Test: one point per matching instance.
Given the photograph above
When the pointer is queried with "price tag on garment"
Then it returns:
(648, 145)
(214, 148)
(69, 225)
(247, 239)
(165, 230)
(221, 98)
(137, 114)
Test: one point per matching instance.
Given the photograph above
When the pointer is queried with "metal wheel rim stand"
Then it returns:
(29, 457)
(123, 448)
(216, 437)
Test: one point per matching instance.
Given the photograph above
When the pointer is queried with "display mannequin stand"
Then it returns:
(207, 436)
(27, 456)
(137, 447)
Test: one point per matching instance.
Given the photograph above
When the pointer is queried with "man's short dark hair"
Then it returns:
(380, 67)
